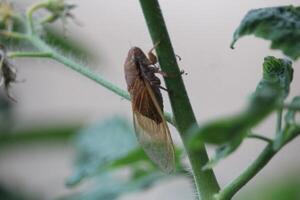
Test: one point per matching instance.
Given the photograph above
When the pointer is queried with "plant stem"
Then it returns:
(291, 107)
(16, 54)
(230, 190)
(206, 182)
(47, 52)
(260, 137)
(29, 15)
(14, 35)
(279, 121)
(265, 156)
(37, 42)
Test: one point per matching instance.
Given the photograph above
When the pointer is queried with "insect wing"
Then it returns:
(153, 136)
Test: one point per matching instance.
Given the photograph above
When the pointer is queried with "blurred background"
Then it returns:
(55, 99)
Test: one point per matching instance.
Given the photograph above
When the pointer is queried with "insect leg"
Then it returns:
(152, 58)
(155, 69)
(165, 89)
(156, 83)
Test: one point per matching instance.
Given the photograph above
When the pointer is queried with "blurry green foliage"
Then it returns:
(281, 25)
(229, 132)
(5, 114)
(66, 44)
(39, 134)
(105, 148)
(9, 194)
(278, 73)
(285, 188)
(49, 33)
(99, 145)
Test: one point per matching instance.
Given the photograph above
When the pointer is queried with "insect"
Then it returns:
(147, 105)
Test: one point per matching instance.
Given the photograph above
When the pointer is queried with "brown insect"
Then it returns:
(147, 105)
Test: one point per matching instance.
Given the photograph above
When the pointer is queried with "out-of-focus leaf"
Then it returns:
(106, 148)
(66, 44)
(229, 132)
(12, 194)
(278, 73)
(223, 151)
(10, 21)
(59, 9)
(12, 42)
(38, 134)
(226, 129)
(100, 145)
(107, 187)
(281, 25)
(5, 114)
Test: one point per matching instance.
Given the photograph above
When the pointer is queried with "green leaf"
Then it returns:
(100, 145)
(275, 84)
(229, 132)
(262, 103)
(107, 187)
(102, 150)
(277, 73)
(14, 193)
(11, 22)
(280, 25)
(223, 151)
(39, 134)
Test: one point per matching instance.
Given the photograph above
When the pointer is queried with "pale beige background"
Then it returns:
(219, 81)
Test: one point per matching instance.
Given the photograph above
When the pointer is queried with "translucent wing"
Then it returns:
(151, 128)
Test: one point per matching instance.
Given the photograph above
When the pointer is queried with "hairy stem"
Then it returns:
(16, 54)
(206, 182)
(47, 52)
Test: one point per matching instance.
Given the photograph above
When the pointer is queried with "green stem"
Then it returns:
(230, 190)
(263, 159)
(14, 35)
(37, 42)
(279, 121)
(48, 52)
(291, 107)
(260, 137)
(29, 15)
(16, 54)
(206, 182)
